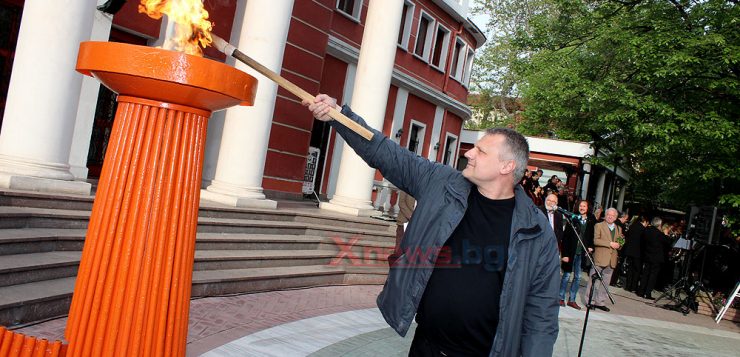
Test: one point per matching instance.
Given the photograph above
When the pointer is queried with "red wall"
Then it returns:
(303, 64)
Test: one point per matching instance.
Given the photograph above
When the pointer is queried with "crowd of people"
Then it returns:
(638, 255)
(531, 185)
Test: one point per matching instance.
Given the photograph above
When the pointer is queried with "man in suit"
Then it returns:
(654, 256)
(554, 217)
(605, 256)
(633, 253)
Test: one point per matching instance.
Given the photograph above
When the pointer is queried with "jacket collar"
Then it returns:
(525, 214)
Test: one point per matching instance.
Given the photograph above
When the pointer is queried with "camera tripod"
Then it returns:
(683, 292)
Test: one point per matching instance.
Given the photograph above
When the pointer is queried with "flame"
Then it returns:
(192, 30)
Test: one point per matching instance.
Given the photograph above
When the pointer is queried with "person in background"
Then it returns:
(552, 185)
(633, 253)
(654, 256)
(406, 205)
(572, 254)
(554, 217)
(605, 256)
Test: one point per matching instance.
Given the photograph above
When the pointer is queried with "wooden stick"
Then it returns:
(229, 50)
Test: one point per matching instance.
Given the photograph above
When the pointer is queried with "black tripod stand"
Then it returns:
(683, 293)
(596, 276)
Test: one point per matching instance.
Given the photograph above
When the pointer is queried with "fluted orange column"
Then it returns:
(17, 345)
(132, 292)
(133, 287)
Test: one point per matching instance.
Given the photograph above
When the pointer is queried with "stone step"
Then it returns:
(37, 240)
(45, 200)
(231, 281)
(294, 215)
(12, 198)
(35, 301)
(51, 298)
(27, 268)
(30, 217)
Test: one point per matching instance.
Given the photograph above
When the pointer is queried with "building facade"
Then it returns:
(403, 65)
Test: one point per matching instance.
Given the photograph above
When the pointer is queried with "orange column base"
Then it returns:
(132, 292)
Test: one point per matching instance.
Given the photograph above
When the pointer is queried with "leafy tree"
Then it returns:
(655, 81)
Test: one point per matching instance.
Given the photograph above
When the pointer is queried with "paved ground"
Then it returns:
(343, 320)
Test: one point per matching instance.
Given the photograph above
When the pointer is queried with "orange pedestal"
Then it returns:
(132, 292)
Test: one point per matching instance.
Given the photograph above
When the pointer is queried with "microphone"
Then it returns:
(567, 213)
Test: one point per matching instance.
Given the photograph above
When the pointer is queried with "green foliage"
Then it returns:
(654, 81)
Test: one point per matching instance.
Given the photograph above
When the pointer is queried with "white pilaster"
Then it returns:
(370, 97)
(241, 158)
(399, 112)
(41, 108)
(88, 103)
(586, 179)
(439, 114)
(600, 189)
(620, 202)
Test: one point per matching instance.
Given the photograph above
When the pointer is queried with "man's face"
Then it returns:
(551, 202)
(583, 208)
(484, 164)
(610, 217)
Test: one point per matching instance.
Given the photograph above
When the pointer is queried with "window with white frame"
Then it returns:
(450, 148)
(416, 137)
(458, 60)
(441, 45)
(350, 7)
(424, 35)
(468, 66)
(407, 16)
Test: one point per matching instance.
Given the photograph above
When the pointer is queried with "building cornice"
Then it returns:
(350, 54)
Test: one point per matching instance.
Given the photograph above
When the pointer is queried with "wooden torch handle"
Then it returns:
(300, 93)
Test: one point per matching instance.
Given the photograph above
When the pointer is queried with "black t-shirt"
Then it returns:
(459, 310)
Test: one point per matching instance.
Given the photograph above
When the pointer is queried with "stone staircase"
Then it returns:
(237, 251)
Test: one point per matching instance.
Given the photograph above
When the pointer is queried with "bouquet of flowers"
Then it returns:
(620, 240)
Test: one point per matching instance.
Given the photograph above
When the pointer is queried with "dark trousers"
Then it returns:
(421, 346)
(649, 277)
(633, 273)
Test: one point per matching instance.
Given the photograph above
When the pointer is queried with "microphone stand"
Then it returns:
(596, 276)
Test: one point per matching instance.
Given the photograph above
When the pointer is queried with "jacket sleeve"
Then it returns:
(406, 170)
(540, 324)
(601, 240)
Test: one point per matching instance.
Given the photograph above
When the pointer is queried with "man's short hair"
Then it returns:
(613, 210)
(656, 222)
(518, 150)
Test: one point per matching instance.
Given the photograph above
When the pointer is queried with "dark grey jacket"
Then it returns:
(528, 313)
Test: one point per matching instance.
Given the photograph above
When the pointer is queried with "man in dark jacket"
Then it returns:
(479, 267)
(654, 256)
(633, 254)
(554, 217)
(572, 253)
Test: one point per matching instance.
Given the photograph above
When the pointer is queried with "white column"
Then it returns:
(620, 201)
(369, 99)
(600, 189)
(586, 179)
(439, 114)
(88, 103)
(399, 112)
(41, 109)
(241, 158)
